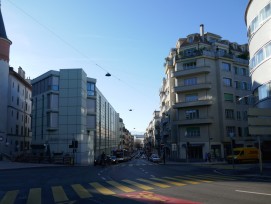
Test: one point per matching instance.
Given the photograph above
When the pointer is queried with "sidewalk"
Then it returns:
(6, 165)
(227, 169)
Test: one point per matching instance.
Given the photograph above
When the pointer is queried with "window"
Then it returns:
(190, 81)
(245, 115)
(243, 72)
(228, 97)
(192, 132)
(192, 114)
(17, 100)
(263, 91)
(261, 55)
(52, 120)
(238, 115)
(226, 67)
(227, 81)
(237, 85)
(18, 88)
(268, 50)
(262, 16)
(191, 97)
(189, 52)
(246, 131)
(239, 131)
(52, 101)
(235, 70)
(90, 89)
(91, 105)
(244, 85)
(189, 65)
(229, 113)
(230, 130)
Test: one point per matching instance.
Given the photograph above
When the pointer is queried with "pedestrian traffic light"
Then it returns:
(75, 144)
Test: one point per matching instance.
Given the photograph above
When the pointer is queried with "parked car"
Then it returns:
(155, 158)
(97, 160)
(244, 155)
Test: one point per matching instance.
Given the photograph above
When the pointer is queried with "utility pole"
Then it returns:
(260, 156)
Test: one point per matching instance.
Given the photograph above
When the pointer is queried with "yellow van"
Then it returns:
(244, 154)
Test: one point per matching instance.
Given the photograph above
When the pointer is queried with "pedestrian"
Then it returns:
(206, 157)
(209, 157)
(103, 158)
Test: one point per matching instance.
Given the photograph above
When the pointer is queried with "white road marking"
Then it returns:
(253, 192)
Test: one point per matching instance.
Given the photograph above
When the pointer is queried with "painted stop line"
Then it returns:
(150, 197)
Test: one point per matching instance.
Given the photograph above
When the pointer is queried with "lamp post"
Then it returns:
(231, 134)
(260, 155)
(1, 139)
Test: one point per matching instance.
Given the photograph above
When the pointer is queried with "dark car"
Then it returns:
(113, 159)
(102, 160)
(97, 160)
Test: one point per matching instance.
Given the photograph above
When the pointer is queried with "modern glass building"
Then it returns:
(71, 117)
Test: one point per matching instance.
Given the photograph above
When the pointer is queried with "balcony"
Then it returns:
(203, 102)
(191, 71)
(198, 121)
(202, 86)
(214, 54)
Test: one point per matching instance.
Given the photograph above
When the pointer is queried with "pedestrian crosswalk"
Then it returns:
(75, 192)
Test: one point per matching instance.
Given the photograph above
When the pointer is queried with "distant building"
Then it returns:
(152, 139)
(15, 103)
(72, 117)
(205, 97)
(139, 141)
(257, 17)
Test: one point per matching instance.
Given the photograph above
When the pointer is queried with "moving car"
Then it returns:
(113, 159)
(155, 158)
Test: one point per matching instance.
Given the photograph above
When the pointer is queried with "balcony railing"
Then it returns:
(196, 121)
(206, 53)
(202, 86)
(191, 71)
(202, 102)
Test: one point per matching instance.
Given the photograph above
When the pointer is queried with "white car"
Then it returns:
(155, 158)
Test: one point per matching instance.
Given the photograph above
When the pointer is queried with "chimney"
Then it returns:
(21, 72)
(202, 31)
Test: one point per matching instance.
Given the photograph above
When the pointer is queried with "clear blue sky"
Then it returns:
(128, 38)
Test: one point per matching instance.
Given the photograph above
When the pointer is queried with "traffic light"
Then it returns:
(74, 144)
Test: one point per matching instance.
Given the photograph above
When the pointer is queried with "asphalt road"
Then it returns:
(136, 181)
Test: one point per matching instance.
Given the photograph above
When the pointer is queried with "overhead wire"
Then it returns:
(66, 42)
(70, 45)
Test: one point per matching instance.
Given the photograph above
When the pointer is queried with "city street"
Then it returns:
(136, 181)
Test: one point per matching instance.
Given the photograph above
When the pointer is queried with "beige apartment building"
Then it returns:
(257, 17)
(15, 103)
(205, 97)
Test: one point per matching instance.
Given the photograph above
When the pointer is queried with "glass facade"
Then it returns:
(262, 16)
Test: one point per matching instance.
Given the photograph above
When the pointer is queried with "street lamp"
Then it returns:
(260, 156)
(231, 134)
